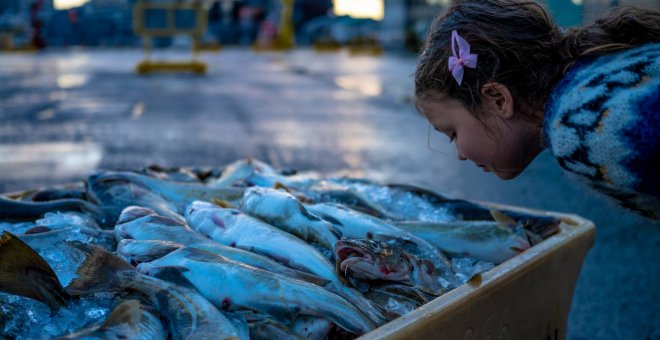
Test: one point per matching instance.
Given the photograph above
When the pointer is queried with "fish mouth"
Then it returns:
(348, 255)
(360, 263)
(521, 244)
(364, 265)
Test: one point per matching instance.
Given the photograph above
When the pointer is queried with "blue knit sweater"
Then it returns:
(602, 124)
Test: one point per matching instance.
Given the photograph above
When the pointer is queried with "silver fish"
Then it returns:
(336, 191)
(154, 227)
(356, 225)
(134, 251)
(114, 196)
(263, 326)
(12, 210)
(127, 321)
(241, 171)
(482, 240)
(233, 227)
(178, 194)
(190, 316)
(398, 299)
(284, 211)
(232, 285)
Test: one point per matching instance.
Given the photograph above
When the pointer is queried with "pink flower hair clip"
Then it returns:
(463, 58)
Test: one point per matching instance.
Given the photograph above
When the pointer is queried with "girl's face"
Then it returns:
(504, 146)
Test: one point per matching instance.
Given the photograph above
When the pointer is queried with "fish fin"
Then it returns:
(532, 237)
(311, 278)
(97, 273)
(127, 312)
(296, 273)
(222, 203)
(502, 218)
(23, 272)
(280, 185)
(329, 218)
(173, 274)
(200, 255)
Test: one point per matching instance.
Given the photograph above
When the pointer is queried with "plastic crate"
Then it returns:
(527, 297)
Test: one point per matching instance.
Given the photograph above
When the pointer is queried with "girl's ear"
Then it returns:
(497, 99)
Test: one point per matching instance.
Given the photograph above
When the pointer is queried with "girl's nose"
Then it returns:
(460, 155)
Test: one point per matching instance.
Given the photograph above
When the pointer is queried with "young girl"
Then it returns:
(503, 82)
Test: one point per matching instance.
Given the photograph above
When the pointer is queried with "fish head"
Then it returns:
(211, 219)
(193, 209)
(543, 226)
(372, 260)
(134, 212)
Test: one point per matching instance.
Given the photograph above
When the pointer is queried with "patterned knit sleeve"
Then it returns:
(602, 124)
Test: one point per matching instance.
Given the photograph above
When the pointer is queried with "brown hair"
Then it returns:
(520, 46)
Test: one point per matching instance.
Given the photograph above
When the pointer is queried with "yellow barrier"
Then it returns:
(148, 33)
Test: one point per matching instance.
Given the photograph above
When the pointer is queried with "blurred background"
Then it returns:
(316, 85)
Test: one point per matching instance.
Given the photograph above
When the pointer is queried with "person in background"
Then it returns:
(504, 82)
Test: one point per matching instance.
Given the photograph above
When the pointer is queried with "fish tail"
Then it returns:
(98, 271)
(127, 312)
(23, 272)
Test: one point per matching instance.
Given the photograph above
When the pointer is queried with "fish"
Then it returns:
(127, 321)
(12, 210)
(50, 194)
(175, 174)
(233, 227)
(114, 196)
(399, 299)
(355, 225)
(329, 191)
(282, 210)
(177, 194)
(374, 260)
(483, 240)
(238, 173)
(23, 272)
(189, 315)
(134, 251)
(463, 210)
(263, 326)
(231, 285)
(153, 227)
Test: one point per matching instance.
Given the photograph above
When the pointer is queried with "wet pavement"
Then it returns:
(66, 113)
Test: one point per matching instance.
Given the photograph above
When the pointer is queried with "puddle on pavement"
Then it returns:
(368, 85)
(48, 160)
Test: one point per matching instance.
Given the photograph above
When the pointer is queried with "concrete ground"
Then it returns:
(66, 113)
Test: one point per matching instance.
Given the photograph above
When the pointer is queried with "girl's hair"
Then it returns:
(520, 46)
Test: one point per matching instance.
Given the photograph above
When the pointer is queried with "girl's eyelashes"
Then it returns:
(452, 136)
